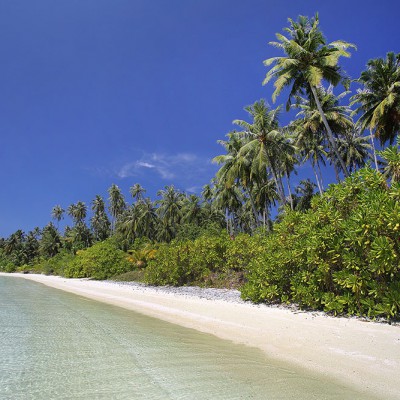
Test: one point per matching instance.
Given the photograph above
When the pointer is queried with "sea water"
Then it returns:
(56, 345)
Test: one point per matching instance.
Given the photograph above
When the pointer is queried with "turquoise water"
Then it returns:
(55, 345)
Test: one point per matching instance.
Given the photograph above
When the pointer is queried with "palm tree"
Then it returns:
(137, 192)
(380, 98)
(77, 212)
(391, 156)
(50, 243)
(266, 197)
(57, 213)
(191, 210)
(310, 131)
(100, 222)
(306, 192)
(265, 144)
(229, 199)
(147, 218)
(207, 193)
(310, 148)
(170, 206)
(117, 204)
(309, 60)
(354, 149)
(236, 167)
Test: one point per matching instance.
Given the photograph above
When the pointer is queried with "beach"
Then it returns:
(360, 353)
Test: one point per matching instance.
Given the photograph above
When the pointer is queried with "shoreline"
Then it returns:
(361, 354)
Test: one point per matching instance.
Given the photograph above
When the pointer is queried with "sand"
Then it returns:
(365, 355)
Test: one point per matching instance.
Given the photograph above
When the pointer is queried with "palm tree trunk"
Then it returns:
(329, 132)
(374, 150)
(320, 176)
(317, 178)
(255, 213)
(279, 186)
(289, 191)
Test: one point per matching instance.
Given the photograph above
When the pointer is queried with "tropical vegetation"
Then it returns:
(332, 248)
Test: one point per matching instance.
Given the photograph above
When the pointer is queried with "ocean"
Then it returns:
(56, 345)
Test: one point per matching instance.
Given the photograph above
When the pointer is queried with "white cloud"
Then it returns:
(145, 164)
(184, 168)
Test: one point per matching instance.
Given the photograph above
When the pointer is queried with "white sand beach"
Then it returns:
(363, 354)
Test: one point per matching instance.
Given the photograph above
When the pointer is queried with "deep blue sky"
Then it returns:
(95, 92)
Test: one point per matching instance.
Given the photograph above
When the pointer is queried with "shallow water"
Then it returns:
(55, 345)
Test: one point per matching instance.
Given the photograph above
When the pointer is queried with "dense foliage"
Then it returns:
(101, 261)
(211, 260)
(341, 256)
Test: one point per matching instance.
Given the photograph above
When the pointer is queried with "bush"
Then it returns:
(101, 261)
(55, 265)
(188, 262)
(341, 256)
(6, 265)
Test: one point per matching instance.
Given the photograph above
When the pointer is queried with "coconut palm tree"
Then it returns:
(77, 212)
(236, 167)
(147, 218)
(100, 222)
(137, 192)
(354, 149)
(380, 98)
(391, 157)
(57, 213)
(170, 206)
(306, 192)
(310, 128)
(117, 204)
(191, 210)
(229, 199)
(264, 144)
(310, 147)
(309, 60)
(50, 243)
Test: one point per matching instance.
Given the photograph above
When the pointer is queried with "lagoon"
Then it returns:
(56, 345)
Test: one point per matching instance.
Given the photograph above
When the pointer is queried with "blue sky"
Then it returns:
(95, 92)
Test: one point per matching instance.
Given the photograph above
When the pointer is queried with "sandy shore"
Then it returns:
(363, 354)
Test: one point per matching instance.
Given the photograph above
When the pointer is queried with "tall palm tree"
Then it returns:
(380, 98)
(147, 218)
(191, 209)
(309, 60)
(310, 128)
(310, 148)
(170, 206)
(266, 197)
(57, 213)
(354, 149)
(50, 243)
(229, 199)
(265, 143)
(117, 204)
(99, 221)
(77, 212)
(236, 167)
(137, 192)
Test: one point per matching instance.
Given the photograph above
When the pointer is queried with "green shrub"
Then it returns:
(101, 261)
(55, 265)
(341, 256)
(6, 264)
(188, 262)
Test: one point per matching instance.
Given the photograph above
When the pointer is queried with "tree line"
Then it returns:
(259, 161)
